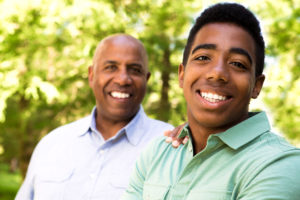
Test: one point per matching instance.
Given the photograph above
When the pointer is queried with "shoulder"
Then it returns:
(157, 150)
(149, 128)
(270, 149)
(155, 124)
(273, 146)
(58, 147)
(63, 135)
(70, 130)
(274, 173)
(158, 144)
(280, 153)
(271, 163)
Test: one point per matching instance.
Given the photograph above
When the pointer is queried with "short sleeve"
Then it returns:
(26, 191)
(279, 179)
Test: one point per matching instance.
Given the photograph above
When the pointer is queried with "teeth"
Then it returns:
(120, 95)
(212, 97)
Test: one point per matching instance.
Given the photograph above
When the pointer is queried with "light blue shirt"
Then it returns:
(75, 162)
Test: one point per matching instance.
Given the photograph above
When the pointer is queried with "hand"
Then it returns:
(172, 136)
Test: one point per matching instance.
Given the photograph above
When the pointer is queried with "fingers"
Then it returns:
(176, 142)
(172, 136)
(169, 139)
(167, 133)
(185, 140)
(173, 133)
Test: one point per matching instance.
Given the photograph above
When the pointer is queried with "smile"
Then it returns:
(213, 98)
(120, 95)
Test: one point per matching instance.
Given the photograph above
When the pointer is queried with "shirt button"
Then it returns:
(190, 149)
(101, 152)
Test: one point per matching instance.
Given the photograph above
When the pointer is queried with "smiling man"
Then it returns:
(92, 158)
(231, 154)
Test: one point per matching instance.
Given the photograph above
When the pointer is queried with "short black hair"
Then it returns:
(230, 13)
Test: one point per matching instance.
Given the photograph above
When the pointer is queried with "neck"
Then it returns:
(108, 127)
(199, 137)
(200, 134)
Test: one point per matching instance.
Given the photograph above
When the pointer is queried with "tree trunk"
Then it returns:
(27, 138)
(164, 104)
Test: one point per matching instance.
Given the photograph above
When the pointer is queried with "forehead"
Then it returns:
(225, 36)
(120, 50)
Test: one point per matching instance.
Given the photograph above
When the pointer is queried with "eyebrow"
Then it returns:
(204, 46)
(242, 52)
(129, 65)
(232, 50)
(110, 62)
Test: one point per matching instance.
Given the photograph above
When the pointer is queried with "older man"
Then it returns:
(92, 158)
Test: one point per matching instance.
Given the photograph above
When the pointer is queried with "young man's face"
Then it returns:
(118, 78)
(219, 78)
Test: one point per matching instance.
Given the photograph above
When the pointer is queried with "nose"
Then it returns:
(218, 72)
(123, 77)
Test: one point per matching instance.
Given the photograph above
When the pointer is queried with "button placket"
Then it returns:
(96, 170)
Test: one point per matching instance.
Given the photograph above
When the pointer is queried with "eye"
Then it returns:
(110, 67)
(135, 69)
(202, 58)
(239, 65)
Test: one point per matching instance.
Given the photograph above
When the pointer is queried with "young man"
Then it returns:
(231, 154)
(92, 158)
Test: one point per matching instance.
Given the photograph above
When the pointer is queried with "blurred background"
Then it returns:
(47, 46)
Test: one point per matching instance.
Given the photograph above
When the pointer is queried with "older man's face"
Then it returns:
(118, 78)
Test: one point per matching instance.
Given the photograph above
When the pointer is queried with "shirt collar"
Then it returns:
(245, 131)
(241, 133)
(133, 130)
(87, 124)
(93, 119)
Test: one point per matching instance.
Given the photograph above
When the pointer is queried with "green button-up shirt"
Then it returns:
(245, 162)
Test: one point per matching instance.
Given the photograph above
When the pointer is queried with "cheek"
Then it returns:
(191, 76)
(245, 86)
(141, 85)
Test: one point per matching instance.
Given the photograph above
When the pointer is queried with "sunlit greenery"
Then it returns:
(47, 46)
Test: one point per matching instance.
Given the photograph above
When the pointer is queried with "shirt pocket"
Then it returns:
(155, 191)
(211, 194)
(50, 183)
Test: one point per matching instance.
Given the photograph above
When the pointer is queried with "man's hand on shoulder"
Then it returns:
(172, 136)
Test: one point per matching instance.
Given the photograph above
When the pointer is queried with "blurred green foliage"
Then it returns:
(47, 46)
(282, 92)
(10, 182)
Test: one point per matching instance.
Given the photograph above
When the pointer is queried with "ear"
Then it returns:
(91, 75)
(258, 85)
(181, 75)
(148, 76)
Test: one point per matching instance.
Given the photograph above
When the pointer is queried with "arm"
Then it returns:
(26, 190)
(278, 180)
